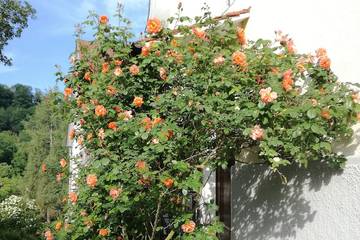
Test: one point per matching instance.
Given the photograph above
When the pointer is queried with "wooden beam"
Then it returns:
(223, 199)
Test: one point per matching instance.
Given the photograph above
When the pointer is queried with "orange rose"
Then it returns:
(145, 51)
(325, 114)
(287, 81)
(156, 121)
(163, 73)
(103, 19)
(169, 182)
(257, 133)
(321, 52)
(82, 122)
(140, 165)
(112, 125)
(48, 235)
(358, 116)
(91, 180)
(241, 36)
(72, 134)
(105, 67)
(290, 46)
(80, 140)
(147, 123)
(87, 76)
(100, 111)
(126, 115)
(67, 92)
(73, 197)
(267, 95)
(219, 60)
(115, 192)
(324, 63)
(118, 71)
(103, 232)
(138, 101)
(111, 90)
(188, 227)
(199, 33)
(58, 226)
(239, 58)
(118, 62)
(134, 70)
(43, 167)
(153, 25)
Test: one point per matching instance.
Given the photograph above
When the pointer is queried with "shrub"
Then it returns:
(18, 218)
(195, 98)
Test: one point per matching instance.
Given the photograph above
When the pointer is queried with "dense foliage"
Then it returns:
(29, 157)
(44, 179)
(20, 214)
(151, 122)
(14, 16)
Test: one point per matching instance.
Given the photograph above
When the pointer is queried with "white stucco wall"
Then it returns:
(317, 203)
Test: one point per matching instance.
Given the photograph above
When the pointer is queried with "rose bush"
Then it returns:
(192, 99)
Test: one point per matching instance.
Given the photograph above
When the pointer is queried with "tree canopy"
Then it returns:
(14, 16)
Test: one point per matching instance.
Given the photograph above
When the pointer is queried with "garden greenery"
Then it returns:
(19, 218)
(192, 98)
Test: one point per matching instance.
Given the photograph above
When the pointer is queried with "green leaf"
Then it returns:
(311, 113)
(318, 129)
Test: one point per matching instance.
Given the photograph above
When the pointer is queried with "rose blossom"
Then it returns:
(134, 70)
(114, 193)
(219, 60)
(257, 133)
(188, 227)
(153, 25)
(267, 96)
(91, 180)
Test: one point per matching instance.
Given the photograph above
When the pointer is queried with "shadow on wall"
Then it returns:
(264, 208)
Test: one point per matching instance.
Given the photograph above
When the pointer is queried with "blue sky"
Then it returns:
(49, 39)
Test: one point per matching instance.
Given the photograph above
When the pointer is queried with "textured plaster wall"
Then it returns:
(317, 203)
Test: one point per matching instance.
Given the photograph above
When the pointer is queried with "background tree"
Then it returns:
(16, 104)
(14, 15)
(46, 131)
(7, 146)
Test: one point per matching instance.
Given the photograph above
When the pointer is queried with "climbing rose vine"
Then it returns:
(152, 120)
